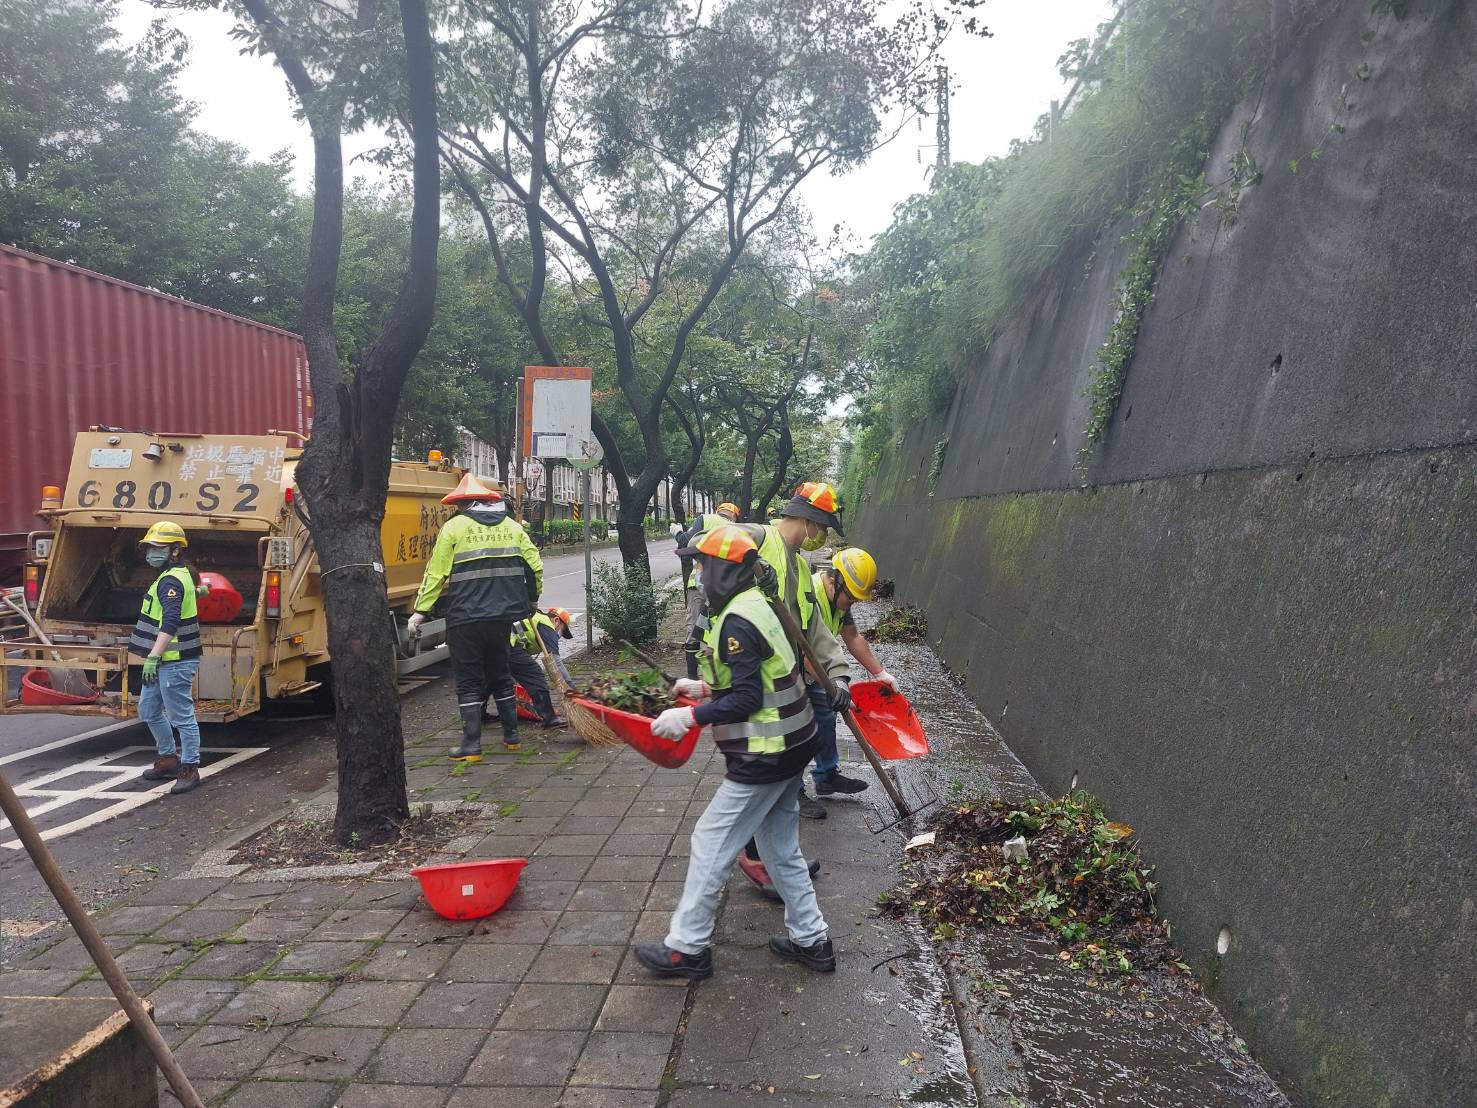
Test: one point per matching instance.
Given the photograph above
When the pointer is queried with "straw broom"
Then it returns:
(585, 723)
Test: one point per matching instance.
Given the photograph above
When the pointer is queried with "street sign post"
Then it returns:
(590, 454)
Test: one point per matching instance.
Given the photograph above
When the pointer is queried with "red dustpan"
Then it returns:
(635, 731)
(888, 721)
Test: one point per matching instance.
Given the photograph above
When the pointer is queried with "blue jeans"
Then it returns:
(171, 701)
(827, 758)
(770, 814)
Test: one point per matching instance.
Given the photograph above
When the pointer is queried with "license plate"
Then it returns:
(103, 458)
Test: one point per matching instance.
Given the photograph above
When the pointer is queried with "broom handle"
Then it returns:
(138, 1015)
(649, 660)
(787, 619)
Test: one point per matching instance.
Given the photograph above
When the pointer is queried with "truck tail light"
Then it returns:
(274, 594)
(33, 586)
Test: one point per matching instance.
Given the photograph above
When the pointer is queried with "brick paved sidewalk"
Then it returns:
(352, 993)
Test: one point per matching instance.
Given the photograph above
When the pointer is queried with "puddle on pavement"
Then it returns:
(1062, 1038)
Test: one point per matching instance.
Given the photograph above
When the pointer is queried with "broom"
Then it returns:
(583, 722)
(72, 682)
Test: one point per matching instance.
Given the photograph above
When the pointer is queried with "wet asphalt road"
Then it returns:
(164, 835)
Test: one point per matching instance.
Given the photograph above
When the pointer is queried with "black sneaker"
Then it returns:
(187, 780)
(836, 783)
(810, 808)
(666, 962)
(821, 957)
(554, 724)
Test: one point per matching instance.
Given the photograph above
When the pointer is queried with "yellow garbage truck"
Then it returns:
(262, 623)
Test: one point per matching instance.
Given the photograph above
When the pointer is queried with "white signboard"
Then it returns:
(561, 416)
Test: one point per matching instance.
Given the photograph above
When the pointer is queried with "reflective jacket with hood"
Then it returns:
(485, 564)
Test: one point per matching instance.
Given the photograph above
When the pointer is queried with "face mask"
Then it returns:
(157, 558)
(815, 543)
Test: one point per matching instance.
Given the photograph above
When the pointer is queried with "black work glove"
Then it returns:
(766, 578)
(841, 702)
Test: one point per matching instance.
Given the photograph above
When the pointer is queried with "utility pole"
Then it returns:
(942, 92)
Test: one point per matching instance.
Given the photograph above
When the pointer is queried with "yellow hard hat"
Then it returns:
(858, 571)
(163, 533)
(729, 508)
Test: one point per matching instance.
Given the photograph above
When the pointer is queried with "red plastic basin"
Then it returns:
(888, 721)
(525, 704)
(635, 731)
(469, 890)
(36, 691)
(222, 604)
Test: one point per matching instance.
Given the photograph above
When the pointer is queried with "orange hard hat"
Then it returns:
(563, 615)
(729, 543)
(816, 501)
(729, 507)
(471, 488)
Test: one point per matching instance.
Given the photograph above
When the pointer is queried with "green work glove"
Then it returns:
(151, 670)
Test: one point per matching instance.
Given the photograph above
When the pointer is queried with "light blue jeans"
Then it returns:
(769, 814)
(169, 704)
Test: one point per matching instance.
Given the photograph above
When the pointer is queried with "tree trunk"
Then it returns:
(371, 761)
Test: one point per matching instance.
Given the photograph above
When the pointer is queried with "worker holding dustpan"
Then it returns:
(763, 723)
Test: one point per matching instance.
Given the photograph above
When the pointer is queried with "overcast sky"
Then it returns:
(1001, 85)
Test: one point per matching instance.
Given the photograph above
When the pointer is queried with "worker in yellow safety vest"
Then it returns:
(727, 512)
(167, 636)
(527, 642)
(491, 575)
(754, 699)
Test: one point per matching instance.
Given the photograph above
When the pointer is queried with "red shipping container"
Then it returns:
(79, 349)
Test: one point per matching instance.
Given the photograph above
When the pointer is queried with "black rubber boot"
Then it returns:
(507, 714)
(470, 749)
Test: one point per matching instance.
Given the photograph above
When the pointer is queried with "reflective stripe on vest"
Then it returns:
(830, 614)
(525, 632)
(786, 717)
(774, 551)
(146, 630)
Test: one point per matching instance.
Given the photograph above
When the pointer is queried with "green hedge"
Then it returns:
(573, 531)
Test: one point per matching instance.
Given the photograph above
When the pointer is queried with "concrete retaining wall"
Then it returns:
(1252, 632)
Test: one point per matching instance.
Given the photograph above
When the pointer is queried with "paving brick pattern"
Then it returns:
(350, 992)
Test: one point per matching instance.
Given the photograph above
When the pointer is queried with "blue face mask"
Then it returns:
(156, 558)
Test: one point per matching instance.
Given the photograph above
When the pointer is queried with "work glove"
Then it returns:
(151, 670)
(887, 679)
(841, 702)
(766, 578)
(691, 687)
(414, 624)
(673, 723)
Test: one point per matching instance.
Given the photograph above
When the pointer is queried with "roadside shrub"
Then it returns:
(624, 603)
(573, 530)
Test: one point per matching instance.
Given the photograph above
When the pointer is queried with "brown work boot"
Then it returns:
(163, 769)
(188, 779)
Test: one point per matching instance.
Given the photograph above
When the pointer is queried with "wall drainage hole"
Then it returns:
(1434, 467)
(1223, 941)
(1276, 364)
(1299, 477)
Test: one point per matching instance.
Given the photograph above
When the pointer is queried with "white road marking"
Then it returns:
(102, 790)
(95, 733)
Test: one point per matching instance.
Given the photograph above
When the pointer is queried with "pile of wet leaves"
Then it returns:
(1055, 867)
(883, 589)
(643, 693)
(903, 624)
